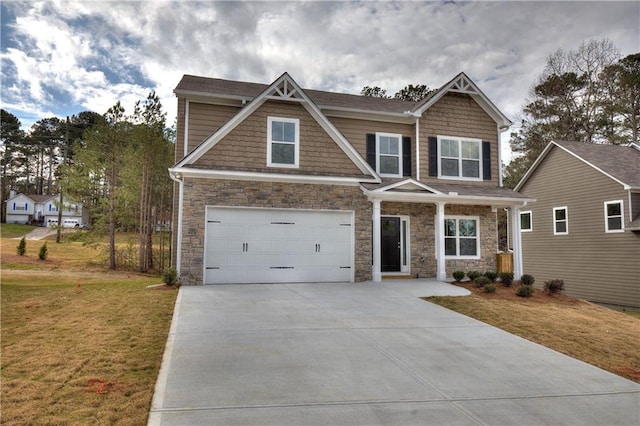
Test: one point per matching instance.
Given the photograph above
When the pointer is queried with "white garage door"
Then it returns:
(253, 245)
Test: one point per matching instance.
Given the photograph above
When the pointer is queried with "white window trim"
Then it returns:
(530, 221)
(606, 217)
(459, 139)
(477, 219)
(392, 135)
(566, 220)
(296, 144)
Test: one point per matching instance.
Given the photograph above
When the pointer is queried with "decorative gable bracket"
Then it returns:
(285, 91)
(463, 85)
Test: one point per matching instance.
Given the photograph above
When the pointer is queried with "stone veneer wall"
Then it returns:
(423, 238)
(200, 193)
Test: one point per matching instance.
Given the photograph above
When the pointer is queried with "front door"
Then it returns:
(391, 244)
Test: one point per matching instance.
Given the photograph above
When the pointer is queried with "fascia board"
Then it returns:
(534, 166)
(568, 151)
(179, 172)
(404, 182)
(449, 199)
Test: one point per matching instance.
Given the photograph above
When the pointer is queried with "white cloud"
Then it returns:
(89, 54)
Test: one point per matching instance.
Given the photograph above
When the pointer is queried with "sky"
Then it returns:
(59, 58)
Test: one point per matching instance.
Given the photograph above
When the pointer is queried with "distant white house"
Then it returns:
(42, 210)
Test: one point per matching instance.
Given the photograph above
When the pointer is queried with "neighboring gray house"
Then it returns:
(42, 210)
(584, 226)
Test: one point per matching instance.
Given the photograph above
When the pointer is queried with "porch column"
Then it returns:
(441, 266)
(516, 242)
(377, 252)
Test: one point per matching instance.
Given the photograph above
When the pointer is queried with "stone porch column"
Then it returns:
(377, 252)
(441, 266)
(516, 241)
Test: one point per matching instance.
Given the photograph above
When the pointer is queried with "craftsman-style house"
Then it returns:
(584, 226)
(275, 183)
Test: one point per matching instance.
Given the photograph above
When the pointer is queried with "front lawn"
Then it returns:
(599, 336)
(81, 347)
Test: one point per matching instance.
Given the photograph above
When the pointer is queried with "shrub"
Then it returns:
(491, 275)
(481, 281)
(44, 251)
(22, 247)
(525, 291)
(527, 279)
(554, 286)
(489, 288)
(170, 276)
(506, 278)
(458, 275)
(473, 275)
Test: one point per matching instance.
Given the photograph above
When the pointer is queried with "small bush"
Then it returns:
(489, 288)
(527, 279)
(481, 281)
(525, 291)
(170, 276)
(44, 251)
(22, 247)
(473, 275)
(458, 275)
(506, 278)
(554, 286)
(491, 275)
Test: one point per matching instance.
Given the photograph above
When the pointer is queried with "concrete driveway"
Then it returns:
(366, 354)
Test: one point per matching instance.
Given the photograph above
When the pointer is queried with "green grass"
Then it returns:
(79, 347)
(12, 230)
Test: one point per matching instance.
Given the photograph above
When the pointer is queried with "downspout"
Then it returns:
(499, 155)
(185, 149)
(178, 250)
(418, 148)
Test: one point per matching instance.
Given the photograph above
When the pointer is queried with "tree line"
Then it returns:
(115, 164)
(589, 95)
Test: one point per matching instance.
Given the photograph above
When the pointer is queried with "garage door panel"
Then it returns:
(265, 245)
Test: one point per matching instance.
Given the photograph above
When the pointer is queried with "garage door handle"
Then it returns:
(245, 247)
(317, 248)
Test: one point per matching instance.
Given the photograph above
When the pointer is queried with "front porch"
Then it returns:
(421, 231)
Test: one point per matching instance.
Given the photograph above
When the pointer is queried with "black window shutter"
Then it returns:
(371, 150)
(433, 156)
(406, 156)
(486, 160)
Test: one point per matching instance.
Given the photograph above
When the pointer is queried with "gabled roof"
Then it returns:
(34, 197)
(284, 88)
(618, 162)
(245, 91)
(463, 84)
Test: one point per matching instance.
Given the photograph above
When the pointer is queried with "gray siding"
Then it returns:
(595, 265)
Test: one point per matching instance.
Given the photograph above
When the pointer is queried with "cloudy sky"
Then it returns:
(62, 57)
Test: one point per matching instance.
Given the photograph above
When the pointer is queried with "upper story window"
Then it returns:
(389, 154)
(283, 142)
(53, 207)
(560, 221)
(614, 216)
(461, 238)
(459, 158)
(526, 221)
(20, 207)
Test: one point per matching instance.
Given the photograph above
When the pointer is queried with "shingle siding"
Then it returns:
(595, 265)
(245, 147)
(458, 115)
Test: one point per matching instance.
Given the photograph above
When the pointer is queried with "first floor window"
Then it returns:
(461, 237)
(526, 224)
(613, 216)
(560, 221)
(283, 139)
